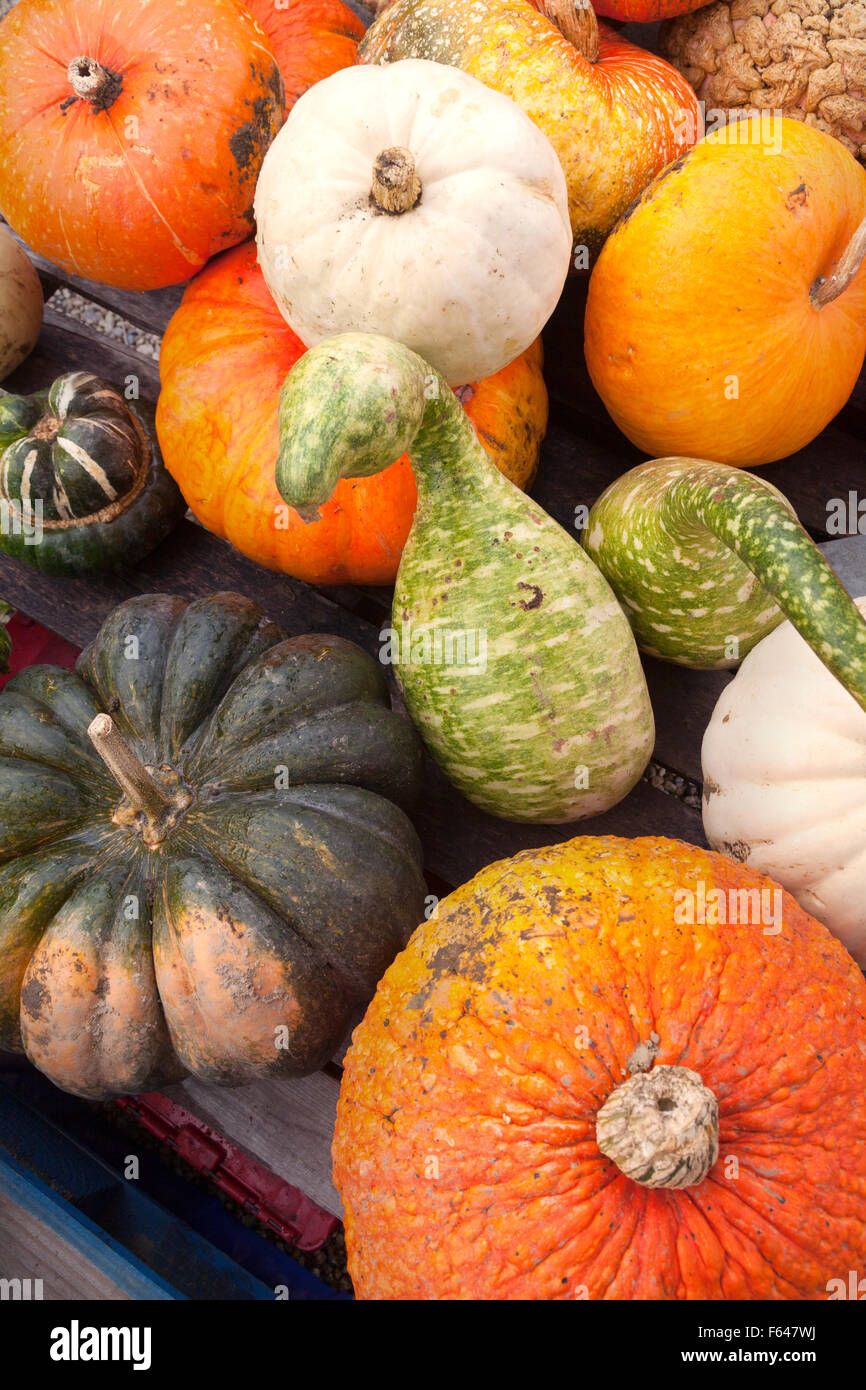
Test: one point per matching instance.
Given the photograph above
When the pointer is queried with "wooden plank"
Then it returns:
(459, 839)
(44, 1237)
(287, 1125)
(65, 345)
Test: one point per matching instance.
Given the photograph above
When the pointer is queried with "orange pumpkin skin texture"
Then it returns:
(613, 123)
(644, 11)
(703, 289)
(465, 1149)
(141, 193)
(223, 360)
(311, 39)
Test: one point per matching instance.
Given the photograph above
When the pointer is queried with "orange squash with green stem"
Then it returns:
(726, 316)
(224, 357)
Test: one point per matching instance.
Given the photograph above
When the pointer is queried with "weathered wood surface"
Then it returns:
(287, 1125)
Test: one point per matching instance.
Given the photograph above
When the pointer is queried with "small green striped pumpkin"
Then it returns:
(82, 484)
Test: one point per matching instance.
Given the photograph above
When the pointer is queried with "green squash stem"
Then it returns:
(514, 658)
(707, 559)
(146, 806)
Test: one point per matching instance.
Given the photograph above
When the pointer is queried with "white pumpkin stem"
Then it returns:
(94, 83)
(661, 1127)
(824, 291)
(576, 21)
(128, 771)
(396, 185)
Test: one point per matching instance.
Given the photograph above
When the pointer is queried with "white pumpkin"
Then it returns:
(20, 304)
(784, 764)
(413, 201)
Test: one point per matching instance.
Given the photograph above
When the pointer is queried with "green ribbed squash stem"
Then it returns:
(707, 559)
(515, 659)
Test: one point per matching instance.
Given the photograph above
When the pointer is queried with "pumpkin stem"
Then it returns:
(396, 186)
(848, 266)
(139, 787)
(576, 21)
(661, 1128)
(94, 83)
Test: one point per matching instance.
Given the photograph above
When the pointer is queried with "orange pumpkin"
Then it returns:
(132, 131)
(614, 113)
(572, 1084)
(726, 316)
(310, 38)
(645, 11)
(223, 360)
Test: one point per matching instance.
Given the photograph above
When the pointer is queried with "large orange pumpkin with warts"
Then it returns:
(132, 132)
(224, 357)
(310, 38)
(609, 1069)
(614, 113)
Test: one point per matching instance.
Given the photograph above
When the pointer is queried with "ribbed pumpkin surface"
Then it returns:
(465, 1150)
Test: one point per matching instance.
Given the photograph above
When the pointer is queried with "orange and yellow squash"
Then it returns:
(726, 316)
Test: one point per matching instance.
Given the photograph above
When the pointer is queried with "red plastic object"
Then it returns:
(272, 1201)
(34, 645)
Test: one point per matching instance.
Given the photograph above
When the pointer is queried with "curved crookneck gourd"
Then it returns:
(707, 559)
(513, 655)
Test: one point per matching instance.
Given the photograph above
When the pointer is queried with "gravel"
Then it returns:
(104, 321)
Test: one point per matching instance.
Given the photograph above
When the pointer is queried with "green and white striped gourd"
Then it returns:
(707, 559)
(82, 484)
(549, 718)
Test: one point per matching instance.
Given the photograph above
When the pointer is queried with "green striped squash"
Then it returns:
(515, 659)
(707, 559)
(82, 484)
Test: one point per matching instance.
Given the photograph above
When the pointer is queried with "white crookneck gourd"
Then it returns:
(784, 766)
(515, 659)
(412, 200)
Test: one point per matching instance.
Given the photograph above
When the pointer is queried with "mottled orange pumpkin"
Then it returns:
(561, 1022)
(224, 357)
(614, 113)
(310, 38)
(132, 132)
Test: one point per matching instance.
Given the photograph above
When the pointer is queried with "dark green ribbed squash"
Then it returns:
(82, 484)
(223, 883)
